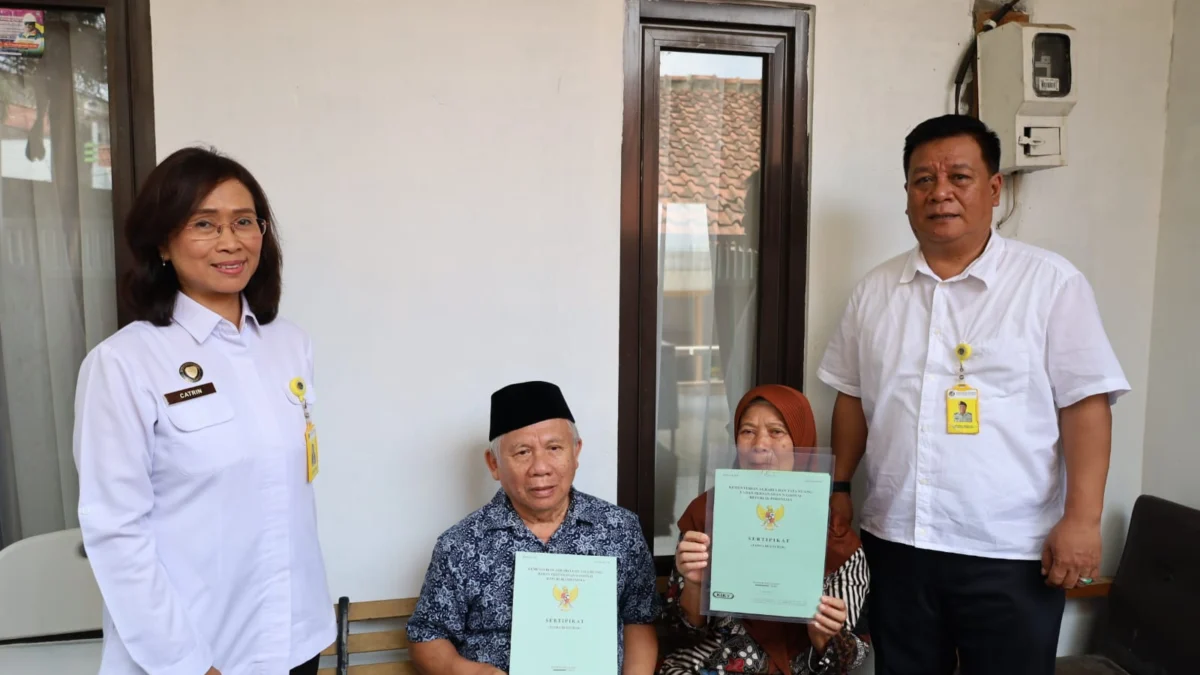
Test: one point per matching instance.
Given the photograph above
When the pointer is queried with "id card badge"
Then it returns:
(962, 409)
(311, 453)
(312, 460)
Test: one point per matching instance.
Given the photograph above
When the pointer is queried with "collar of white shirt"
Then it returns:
(985, 267)
(200, 321)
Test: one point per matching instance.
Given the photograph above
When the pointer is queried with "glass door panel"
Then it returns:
(710, 155)
(57, 269)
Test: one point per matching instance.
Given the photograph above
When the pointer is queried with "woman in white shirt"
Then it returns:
(193, 440)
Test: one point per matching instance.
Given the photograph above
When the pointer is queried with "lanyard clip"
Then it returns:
(963, 352)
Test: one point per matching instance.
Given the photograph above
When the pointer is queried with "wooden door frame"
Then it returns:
(637, 398)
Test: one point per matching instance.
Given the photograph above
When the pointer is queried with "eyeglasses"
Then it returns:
(243, 228)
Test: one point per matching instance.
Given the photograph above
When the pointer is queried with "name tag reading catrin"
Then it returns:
(190, 393)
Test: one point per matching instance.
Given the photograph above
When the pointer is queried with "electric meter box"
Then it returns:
(1026, 91)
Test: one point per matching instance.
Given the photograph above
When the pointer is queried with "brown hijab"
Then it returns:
(782, 641)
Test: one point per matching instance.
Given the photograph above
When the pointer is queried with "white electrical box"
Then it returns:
(1026, 91)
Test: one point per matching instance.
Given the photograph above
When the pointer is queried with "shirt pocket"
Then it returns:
(203, 438)
(998, 368)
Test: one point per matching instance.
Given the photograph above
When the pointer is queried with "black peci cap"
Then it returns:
(520, 405)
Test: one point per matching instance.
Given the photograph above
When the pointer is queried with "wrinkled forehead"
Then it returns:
(541, 434)
(945, 154)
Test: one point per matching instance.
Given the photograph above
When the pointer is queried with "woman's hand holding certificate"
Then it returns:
(829, 621)
(691, 556)
(691, 559)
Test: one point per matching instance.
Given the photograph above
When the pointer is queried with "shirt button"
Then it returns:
(924, 481)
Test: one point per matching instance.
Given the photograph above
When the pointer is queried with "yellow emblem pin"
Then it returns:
(963, 350)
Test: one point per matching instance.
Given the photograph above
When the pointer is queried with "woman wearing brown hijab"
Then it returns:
(770, 421)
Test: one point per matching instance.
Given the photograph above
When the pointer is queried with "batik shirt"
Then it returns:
(468, 589)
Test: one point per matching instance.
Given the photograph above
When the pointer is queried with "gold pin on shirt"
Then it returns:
(192, 372)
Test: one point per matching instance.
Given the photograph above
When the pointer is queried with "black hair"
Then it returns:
(171, 194)
(949, 126)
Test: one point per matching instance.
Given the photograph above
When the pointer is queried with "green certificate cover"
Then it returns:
(768, 543)
(564, 615)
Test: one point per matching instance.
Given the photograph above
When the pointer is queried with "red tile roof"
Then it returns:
(710, 142)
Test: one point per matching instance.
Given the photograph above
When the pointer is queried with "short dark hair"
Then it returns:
(949, 126)
(171, 194)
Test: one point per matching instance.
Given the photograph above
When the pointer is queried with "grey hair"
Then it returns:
(494, 447)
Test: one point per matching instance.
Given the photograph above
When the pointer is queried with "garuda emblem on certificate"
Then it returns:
(565, 597)
(770, 516)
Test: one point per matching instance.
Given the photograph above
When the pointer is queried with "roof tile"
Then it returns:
(710, 146)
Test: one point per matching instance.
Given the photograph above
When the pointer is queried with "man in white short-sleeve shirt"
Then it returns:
(974, 384)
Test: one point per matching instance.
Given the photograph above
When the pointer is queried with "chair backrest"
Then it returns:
(47, 588)
(1153, 612)
(368, 640)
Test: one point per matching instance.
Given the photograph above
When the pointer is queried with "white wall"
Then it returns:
(447, 181)
(446, 177)
(1172, 466)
